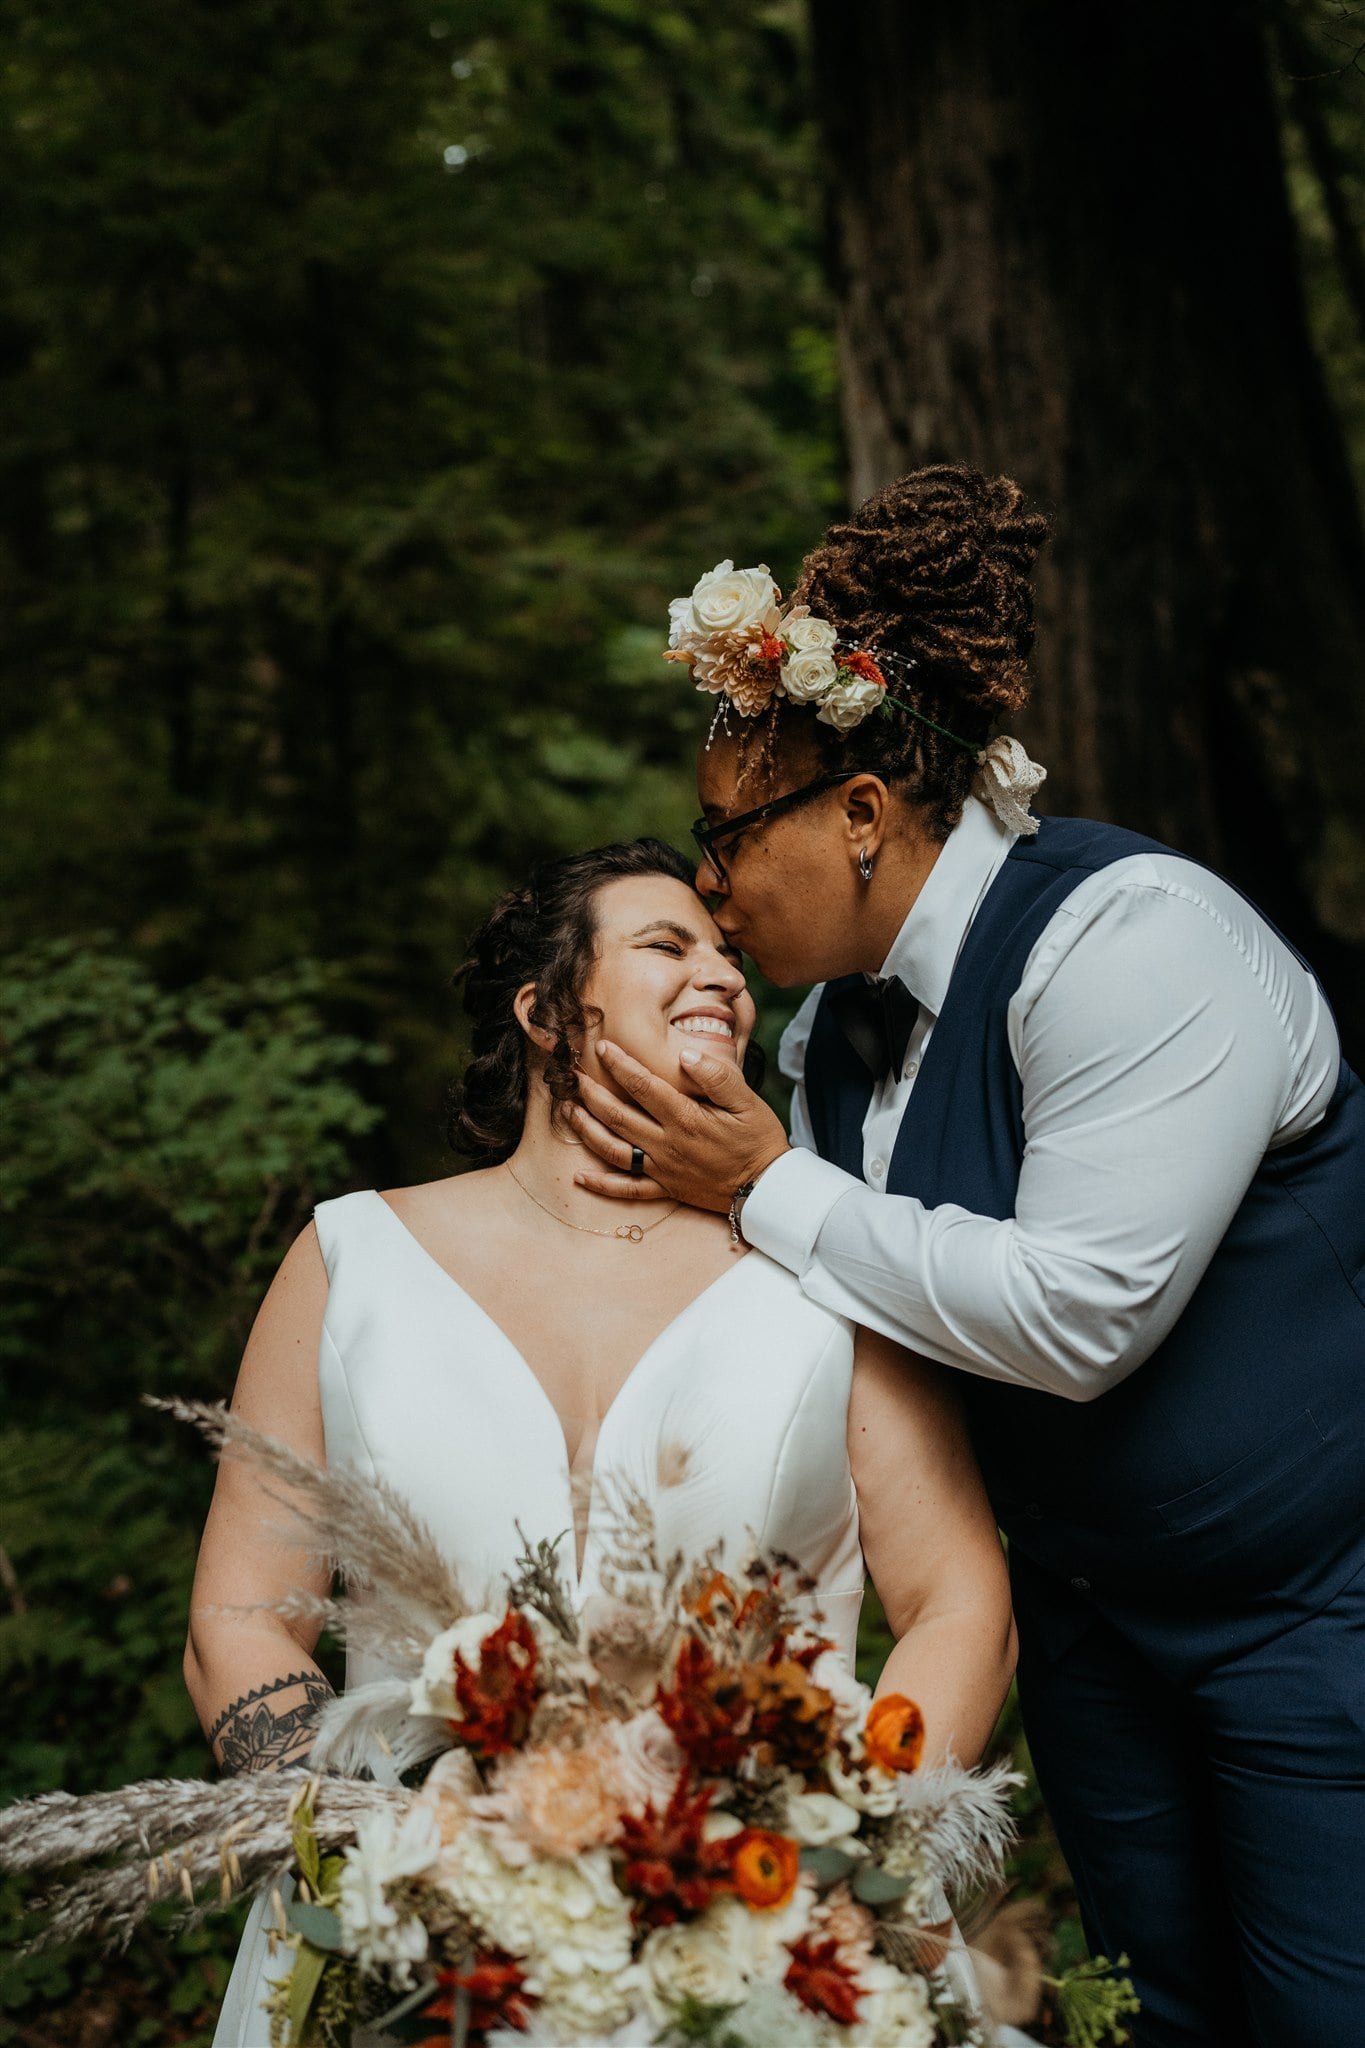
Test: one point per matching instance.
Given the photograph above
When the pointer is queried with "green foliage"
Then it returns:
(375, 375)
(157, 1146)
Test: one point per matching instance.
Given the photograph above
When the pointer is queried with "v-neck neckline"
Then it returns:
(609, 1412)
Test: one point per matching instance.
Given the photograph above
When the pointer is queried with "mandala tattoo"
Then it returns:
(253, 1735)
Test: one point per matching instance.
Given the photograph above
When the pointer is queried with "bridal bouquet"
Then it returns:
(673, 1815)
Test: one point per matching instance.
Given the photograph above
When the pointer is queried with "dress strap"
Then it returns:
(342, 1220)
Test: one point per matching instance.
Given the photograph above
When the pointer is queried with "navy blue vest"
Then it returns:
(1229, 1468)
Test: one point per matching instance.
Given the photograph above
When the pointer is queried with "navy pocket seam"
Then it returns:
(1204, 1504)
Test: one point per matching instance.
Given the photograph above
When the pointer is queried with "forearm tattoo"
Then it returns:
(271, 1726)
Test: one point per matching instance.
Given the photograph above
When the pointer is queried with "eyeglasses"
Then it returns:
(710, 837)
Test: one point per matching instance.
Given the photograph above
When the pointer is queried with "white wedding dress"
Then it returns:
(732, 1425)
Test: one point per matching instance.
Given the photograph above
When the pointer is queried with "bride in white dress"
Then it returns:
(496, 1348)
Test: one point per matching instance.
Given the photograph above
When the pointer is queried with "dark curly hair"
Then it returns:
(546, 933)
(935, 568)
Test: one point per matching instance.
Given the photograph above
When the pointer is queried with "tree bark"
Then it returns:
(1062, 247)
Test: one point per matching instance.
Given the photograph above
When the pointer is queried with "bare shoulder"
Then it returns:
(458, 1195)
(277, 1382)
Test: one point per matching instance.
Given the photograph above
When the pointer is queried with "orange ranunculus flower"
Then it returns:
(765, 1867)
(894, 1735)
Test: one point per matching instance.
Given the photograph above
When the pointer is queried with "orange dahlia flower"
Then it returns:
(765, 1867)
(894, 1735)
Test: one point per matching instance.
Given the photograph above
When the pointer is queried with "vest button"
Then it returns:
(1032, 1512)
(1080, 1585)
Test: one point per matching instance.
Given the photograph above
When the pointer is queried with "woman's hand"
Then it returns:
(698, 1152)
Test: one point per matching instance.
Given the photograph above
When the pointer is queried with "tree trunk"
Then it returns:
(1062, 248)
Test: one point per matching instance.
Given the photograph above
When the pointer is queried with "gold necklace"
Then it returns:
(631, 1232)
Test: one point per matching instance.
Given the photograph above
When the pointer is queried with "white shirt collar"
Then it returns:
(925, 950)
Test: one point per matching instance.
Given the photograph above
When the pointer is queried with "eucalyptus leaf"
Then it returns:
(305, 1843)
(304, 1980)
(318, 1925)
(827, 1864)
(877, 1887)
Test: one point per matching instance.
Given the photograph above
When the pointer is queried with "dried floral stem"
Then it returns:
(174, 1835)
(402, 1587)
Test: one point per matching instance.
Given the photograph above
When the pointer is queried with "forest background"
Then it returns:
(373, 375)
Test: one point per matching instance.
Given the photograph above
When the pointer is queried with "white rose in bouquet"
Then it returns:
(818, 1819)
(726, 600)
(894, 2010)
(850, 704)
(865, 1786)
(434, 1691)
(805, 635)
(771, 2018)
(851, 1697)
(807, 676)
(710, 1959)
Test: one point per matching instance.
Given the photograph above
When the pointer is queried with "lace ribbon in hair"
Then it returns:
(1007, 780)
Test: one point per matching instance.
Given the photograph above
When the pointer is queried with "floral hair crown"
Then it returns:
(738, 642)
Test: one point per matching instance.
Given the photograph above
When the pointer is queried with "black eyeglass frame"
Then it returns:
(706, 835)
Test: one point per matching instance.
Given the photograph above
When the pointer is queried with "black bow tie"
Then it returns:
(877, 1017)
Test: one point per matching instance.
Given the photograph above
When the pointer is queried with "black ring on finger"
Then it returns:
(637, 1162)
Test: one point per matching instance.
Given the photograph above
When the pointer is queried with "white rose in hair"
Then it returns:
(809, 636)
(850, 703)
(806, 677)
(727, 600)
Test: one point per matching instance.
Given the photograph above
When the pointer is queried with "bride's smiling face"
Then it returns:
(664, 978)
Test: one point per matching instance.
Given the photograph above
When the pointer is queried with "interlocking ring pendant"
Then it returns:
(630, 1230)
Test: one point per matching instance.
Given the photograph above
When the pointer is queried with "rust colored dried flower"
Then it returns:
(670, 1869)
(707, 1709)
(862, 664)
(498, 1698)
(496, 1997)
(823, 1981)
(793, 1717)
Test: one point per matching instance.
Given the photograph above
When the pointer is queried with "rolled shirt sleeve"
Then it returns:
(1165, 1039)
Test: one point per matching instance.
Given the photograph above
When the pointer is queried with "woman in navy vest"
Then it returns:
(1072, 1118)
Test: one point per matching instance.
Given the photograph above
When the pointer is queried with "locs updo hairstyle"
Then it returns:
(935, 567)
(545, 932)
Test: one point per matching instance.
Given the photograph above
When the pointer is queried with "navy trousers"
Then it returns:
(1214, 1822)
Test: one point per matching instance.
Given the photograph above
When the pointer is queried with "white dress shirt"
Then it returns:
(1165, 1040)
